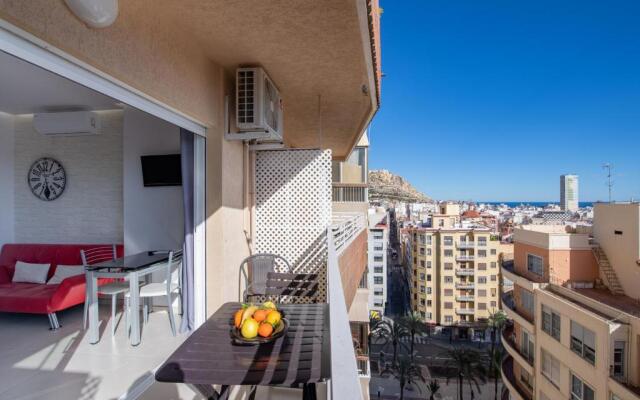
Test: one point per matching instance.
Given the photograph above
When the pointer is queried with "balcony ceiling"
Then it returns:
(317, 52)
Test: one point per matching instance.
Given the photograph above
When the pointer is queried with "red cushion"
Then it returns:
(40, 298)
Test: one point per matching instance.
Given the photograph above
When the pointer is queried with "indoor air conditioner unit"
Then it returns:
(73, 123)
(258, 106)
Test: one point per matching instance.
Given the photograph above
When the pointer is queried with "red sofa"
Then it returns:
(37, 298)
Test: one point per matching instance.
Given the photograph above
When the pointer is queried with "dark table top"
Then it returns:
(132, 262)
(209, 357)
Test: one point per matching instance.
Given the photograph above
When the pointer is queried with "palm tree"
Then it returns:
(467, 365)
(404, 371)
(414, 324)
(495, 363)
(392, 333)
(433, 388)
(497, 321)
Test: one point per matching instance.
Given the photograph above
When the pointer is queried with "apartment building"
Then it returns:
(455, 272)
(575, 310)
(378, 253)
(569, 193)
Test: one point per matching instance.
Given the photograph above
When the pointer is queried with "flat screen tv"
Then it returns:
(161, 170)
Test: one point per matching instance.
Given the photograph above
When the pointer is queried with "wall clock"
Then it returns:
(47, 179)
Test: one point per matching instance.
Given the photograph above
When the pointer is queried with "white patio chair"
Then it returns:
(97, 255)
(171, 285)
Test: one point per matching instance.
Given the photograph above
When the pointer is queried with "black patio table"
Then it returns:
(208, 357)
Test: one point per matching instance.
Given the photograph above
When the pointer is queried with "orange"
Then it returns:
(260, 315)
(237, 318)
(265, 329)
(273, 317)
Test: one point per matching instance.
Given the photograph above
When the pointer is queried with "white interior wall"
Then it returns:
(153, 216)
(6, 179)
(90, 209)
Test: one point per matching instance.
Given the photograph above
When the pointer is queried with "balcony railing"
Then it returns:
(508, 339)
(465, 311)
(363, 366)
(345, 227)
(465, 245)
(465, 285)
(465, 298)
(344, 382)
(464, 272)
(350, 192)
(509, 379)
(466, 257)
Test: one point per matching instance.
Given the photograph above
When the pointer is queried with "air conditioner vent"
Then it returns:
(258, 106)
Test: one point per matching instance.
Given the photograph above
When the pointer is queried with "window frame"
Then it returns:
(541, 273)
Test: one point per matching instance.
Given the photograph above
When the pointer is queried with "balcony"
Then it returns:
(465, 285)
(349, 192)
(510, 382)
(464, 257)
(464, 272)
(465, 298)
(510, 308)
(465, 311)
(623, 388)
(363, 366)
(509, 272)
(508, 341)
(465, 245)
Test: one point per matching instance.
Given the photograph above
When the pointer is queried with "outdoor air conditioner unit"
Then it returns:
(73, 123)
(258, 106)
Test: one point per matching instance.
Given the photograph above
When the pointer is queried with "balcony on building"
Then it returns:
(512, 383)
(514, 312)
(464, 257)
(466, 298)
(465, 272)
(525, 361)
(465, 311)
(465, 285)
(469, 244)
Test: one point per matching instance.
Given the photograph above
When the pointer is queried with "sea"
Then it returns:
(513, 204)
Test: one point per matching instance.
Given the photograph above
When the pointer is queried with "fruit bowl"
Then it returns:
(257, 324)
(280, 330)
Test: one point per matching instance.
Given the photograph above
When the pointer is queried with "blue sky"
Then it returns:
(509, 95)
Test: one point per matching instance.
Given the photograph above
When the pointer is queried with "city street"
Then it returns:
(398, 300)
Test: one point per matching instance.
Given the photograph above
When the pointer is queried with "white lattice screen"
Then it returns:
(293, 208)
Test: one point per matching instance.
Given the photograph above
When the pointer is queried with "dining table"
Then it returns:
(131, 268)
(210, 355)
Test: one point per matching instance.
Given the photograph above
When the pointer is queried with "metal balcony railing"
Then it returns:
(350, 192)
(345, 227)
(465, 298)
(465, 311)
(363, 366)
(465, 245)
(465, 285)
(464, 272)
(465, 257)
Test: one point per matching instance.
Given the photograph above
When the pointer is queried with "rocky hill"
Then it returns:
(384, 185)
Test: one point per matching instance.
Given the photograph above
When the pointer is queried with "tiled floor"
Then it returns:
(36, 363)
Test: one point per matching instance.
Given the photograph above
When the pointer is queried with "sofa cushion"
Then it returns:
(26, 297)
(30, 273)
(65, 271)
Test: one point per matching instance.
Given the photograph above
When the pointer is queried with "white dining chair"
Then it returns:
(97, 255)
(171, 285)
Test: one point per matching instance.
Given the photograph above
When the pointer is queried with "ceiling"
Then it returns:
(28, 89)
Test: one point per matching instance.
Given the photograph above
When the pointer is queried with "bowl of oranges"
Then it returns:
(256, 324)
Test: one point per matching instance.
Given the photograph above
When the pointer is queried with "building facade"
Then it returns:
(455, 272)
(575, 330)
(569, 192)
(378, 253)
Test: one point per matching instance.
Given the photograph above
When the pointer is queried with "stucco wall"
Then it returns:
(559, 265)
(623, 248)
(90, 209)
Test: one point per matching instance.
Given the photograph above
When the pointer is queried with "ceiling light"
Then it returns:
(95, 13)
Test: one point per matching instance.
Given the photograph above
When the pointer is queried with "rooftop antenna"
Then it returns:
(608, 167)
